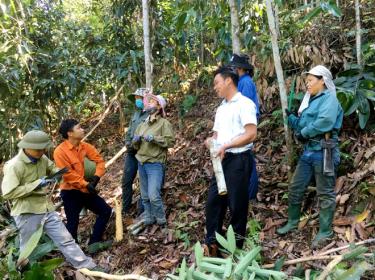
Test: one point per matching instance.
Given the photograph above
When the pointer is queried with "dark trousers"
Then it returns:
(74, 201)
(237, 171)
(130, 171)
(254, 180)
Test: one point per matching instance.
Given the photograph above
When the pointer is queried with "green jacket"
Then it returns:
(156, 150)
(324, 114)
(137, 118)
(21, 177)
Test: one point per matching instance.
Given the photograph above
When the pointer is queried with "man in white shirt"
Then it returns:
(235, 129)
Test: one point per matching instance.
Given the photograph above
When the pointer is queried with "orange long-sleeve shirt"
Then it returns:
(66, 155)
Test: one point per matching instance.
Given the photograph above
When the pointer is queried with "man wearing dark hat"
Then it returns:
(25, 184)
(247, 87)
(130, 162)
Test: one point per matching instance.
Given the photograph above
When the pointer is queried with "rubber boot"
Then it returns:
(294, 213)
(325, 226)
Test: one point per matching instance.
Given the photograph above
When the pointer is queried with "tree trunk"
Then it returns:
(358, 32)
(236, 43)
(147, 44)
(276, 14)
(279, 73)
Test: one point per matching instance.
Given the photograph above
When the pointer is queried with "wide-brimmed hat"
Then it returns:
(160, 99)
(35, 139)
(240, 61)
(139, 92)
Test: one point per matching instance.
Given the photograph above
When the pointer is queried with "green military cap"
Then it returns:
(35, 139)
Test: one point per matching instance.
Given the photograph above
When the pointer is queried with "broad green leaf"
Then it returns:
(353, 107)
(181, 21)
(314, 13)
(37, 272)
(222, 241)
(182, 272)
(355, 272)
(363, 118)
(42, 250)
(231, 238)
(51, 264)
(279, 263)
(331, 8)
(198, 251)
(31, 244)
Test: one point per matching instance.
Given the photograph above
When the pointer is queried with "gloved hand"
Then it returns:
(300, 137)
(129, 147)
(45, 182)
(148, 138)
(288, 113)
(91, 188)
(94, 179)
(136, 139)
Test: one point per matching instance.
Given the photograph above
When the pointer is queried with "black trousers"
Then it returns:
(74, 201)
(237, 171)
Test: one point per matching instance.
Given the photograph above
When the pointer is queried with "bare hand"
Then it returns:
(207, 142)
(221, 152)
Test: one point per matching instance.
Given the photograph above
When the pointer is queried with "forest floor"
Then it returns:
(154, 252)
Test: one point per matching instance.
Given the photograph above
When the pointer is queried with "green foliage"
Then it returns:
(31, 244)
(243, 265)
(325, 6)
(356, 92)
(43, 270)
(235, 266)
(52, 65)
(187, 104)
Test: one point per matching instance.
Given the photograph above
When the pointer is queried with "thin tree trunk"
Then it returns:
(276, 14)
(358, 32)
(338, 3)
(147, 44)
(236, 43)
(279, 72)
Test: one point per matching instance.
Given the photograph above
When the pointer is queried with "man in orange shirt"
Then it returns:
(76, 190)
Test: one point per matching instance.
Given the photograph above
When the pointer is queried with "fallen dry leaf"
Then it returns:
(344, 198)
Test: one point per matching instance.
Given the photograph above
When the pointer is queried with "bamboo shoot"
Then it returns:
(218, 169)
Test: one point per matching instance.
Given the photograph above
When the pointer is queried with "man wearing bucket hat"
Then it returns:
(317, 127)
(25, 184)
(130, 162)
(152, 138)
(78, 191)
(247, 87)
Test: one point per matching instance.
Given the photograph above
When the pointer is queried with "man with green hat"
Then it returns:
(26, 185)
(130, 162)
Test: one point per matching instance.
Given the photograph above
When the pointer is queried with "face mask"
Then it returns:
(139, 103)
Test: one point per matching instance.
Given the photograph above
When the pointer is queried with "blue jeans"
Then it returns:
(151, 177)
(311, 164)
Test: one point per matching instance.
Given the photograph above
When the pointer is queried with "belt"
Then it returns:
(239, 154)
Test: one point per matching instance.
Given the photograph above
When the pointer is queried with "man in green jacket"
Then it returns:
(130, 162)
(25, 184)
